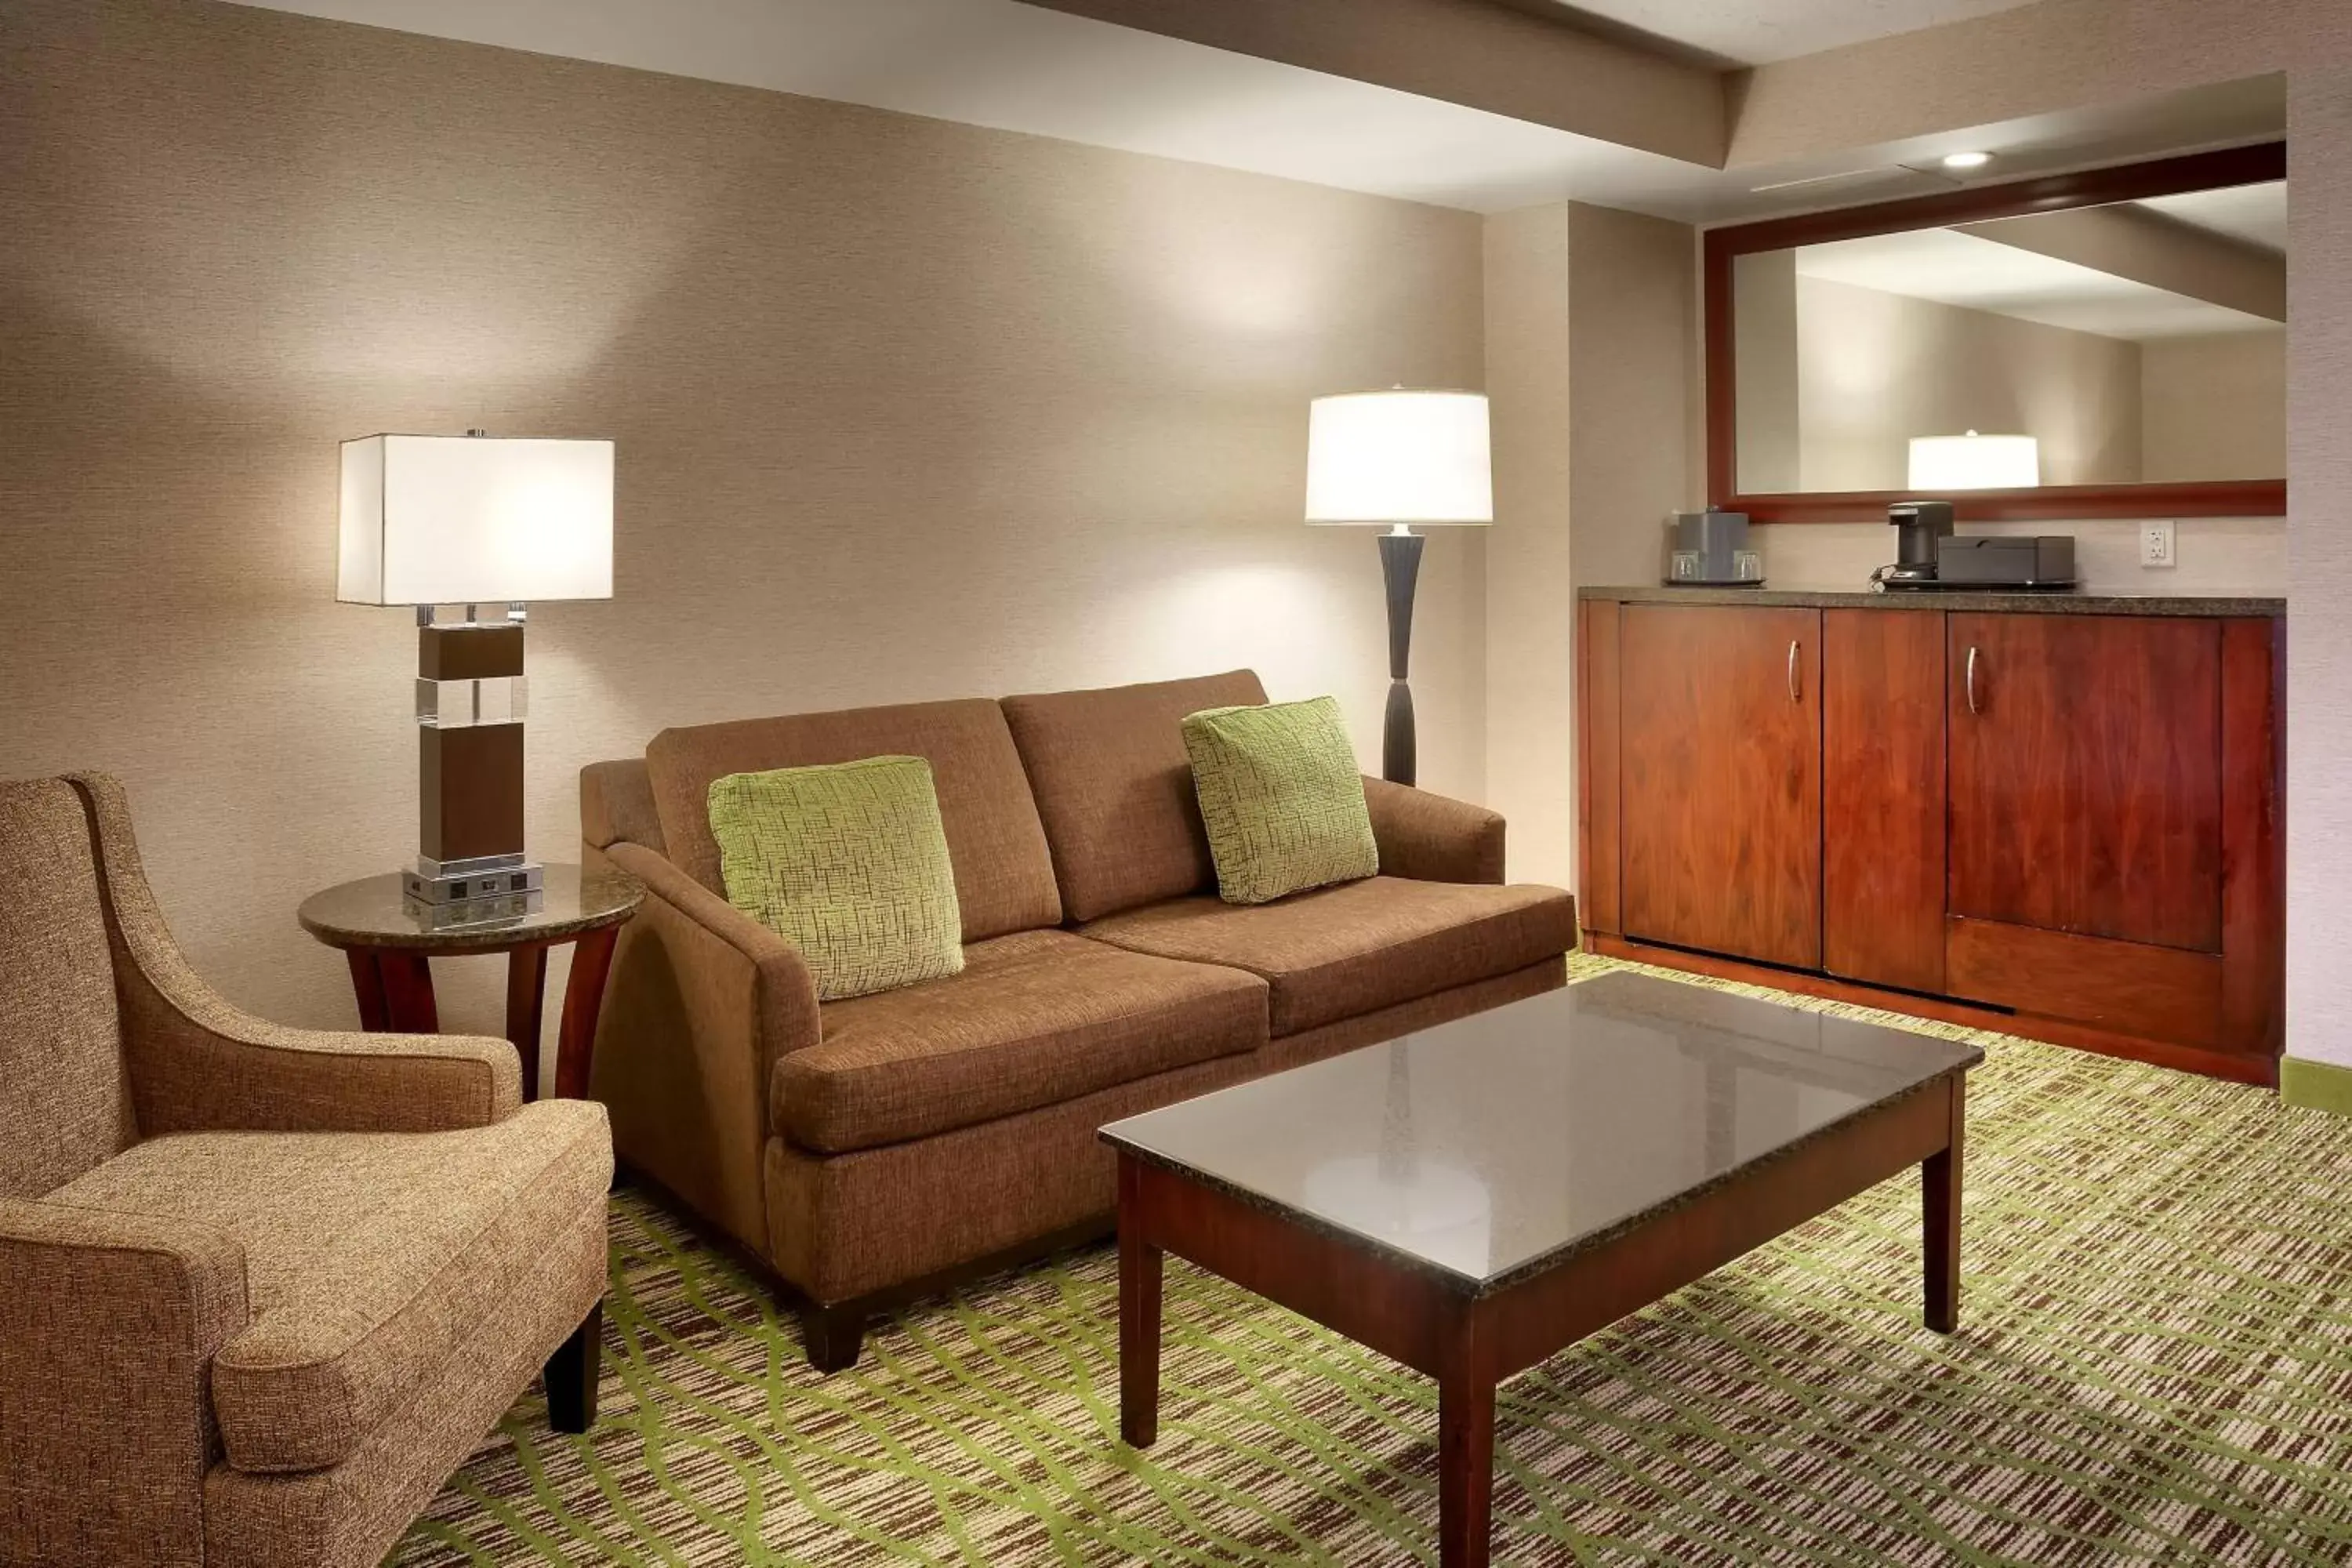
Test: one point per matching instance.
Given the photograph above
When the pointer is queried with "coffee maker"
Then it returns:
(1928, 555)
(1918, 524)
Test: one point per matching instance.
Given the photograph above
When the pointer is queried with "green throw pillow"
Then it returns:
(849, 863)
(1281, 798)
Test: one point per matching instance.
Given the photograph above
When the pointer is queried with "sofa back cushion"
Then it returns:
(1004, 876)
(65, 1102)
(1115, 788)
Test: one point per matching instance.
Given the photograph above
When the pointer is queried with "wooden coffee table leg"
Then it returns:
(584, 999)
(409, 1008)
(526, 989)
(1465, 1449)
(367, 986)
(1140, 1269)
(1940, 1189)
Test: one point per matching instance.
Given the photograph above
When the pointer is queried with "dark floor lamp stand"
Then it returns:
(1400, 570)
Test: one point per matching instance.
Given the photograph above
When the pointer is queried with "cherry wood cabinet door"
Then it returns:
(2085, 775)
(1883, 823)
(1719, 796)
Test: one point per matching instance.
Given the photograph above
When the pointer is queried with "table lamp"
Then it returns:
(1399, 457)
(1972, 462)
(434, 520)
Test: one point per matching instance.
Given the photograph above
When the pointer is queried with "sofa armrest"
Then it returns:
(107, 1328)
(196, 1062)
(702, 1003)
(784, 992)
(1430, 839)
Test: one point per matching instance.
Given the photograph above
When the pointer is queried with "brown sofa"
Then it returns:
(264, 1288)
(870, 1149)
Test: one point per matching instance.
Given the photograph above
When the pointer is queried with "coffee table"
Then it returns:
(1470, 1199)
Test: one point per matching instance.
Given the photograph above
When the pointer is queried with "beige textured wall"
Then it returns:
(2064, 54)
(1530, 629)
(2319, 553)
(1635, 434)
(1874, 369)
(2214, 407)
(2217, 554)
(905, 410)
(1590, 332)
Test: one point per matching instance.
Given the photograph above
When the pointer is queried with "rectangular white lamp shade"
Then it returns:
(1399, 457)
(1974, 462)
(455, 519)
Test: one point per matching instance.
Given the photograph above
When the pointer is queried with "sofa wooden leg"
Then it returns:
(571, 1374)
(831, 1335)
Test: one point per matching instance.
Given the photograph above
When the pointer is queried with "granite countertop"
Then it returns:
(2043, 603)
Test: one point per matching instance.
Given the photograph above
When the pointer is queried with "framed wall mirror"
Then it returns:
(2104, 344)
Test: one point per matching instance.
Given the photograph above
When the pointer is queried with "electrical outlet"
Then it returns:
(2156, 544)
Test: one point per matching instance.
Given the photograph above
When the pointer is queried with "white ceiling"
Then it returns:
(1753, 32)
(2251, 215)
(1955, 269)
(1021, 67)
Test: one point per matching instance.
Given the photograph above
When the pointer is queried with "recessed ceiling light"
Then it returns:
(1966, 160)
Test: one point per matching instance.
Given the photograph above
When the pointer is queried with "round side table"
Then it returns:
(388, 948)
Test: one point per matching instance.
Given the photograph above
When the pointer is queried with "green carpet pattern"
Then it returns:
(2154, 1366)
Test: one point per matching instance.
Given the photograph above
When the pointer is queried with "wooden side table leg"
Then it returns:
(367, 985)
(409, 1008)
(1466, 1449)
(1139, 1273)
(526, 989)
(583, 998)
(1940, 1230)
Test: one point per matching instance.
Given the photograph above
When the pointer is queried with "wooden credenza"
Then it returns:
(2056, 817)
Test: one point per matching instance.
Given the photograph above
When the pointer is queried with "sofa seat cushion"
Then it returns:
(369, 1259)
(1337, 951)
(1034, 1019)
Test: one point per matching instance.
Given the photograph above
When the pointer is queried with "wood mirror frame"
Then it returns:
(1978, 204)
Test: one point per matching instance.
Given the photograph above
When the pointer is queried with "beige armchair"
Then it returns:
(261, 1288)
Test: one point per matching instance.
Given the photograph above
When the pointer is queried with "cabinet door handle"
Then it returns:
(1972, 682)
(1796, 691)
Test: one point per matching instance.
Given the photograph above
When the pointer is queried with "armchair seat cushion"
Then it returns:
(371, 1259)
(1034, 1019)
(1339, 951)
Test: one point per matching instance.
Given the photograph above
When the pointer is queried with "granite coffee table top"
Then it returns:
(1487, 1149)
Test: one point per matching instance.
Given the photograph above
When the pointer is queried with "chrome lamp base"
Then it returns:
(462, 882)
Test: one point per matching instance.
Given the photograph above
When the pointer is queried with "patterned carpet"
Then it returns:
(2154, 1366)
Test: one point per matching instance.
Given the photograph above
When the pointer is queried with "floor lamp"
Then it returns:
(1399, 457)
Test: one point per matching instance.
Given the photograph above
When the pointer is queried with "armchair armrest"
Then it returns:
(196, 1062)
(218, 1070)
(108, 1330)
(1430, 839)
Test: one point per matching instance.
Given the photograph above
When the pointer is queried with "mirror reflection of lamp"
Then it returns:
(1432, 1207)
(1941, 463)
